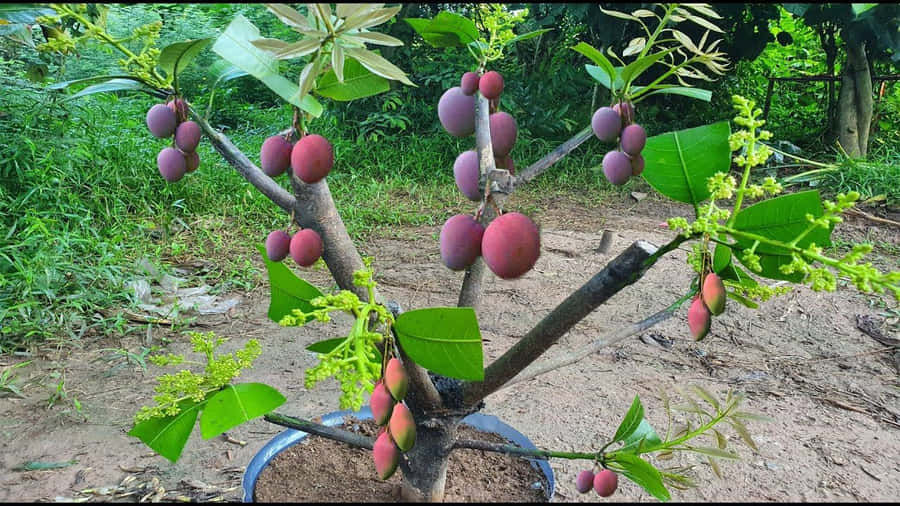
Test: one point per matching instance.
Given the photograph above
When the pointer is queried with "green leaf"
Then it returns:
(529, 35)
(643, 439)
(359, 82)
(234, 46)
(601, 77)
(597, 57)
(858, 9)
(24, 13)
(634, 69)
(782, 218)
(697, 93)
(679, 163)
(631, 421)
(174, 58)
(167, 436)
(222, 72)
(752, 416)
(706, 396)
(326, 345)
(447, 29)
(721, 440)
(116, 85)
(288, 292)
(644, 474)
(445, 340)
(236, 404)
(744, 301)
(86, 80)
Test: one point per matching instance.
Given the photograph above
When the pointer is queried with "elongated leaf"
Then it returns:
(326, 345)
(377, 64)
(714, 466)
(643, 439)
(174, 58)
(337, 62)
(634, 69)
(742, 431)
(697, 93)
(597, 57)
(270, 45)
(714, 452)
(359, 82)
(445, 340)
(706, 396)
(752, 416)
(704, 9)
(631, 421)
(297, 49)
(288, 292)
(617, 14)
(698, 20)
(744, 301)
(380, 39)
(235, 47)
(223, 72)
(363, 19)
(721, 440)
(345, 10)
(288, 15)
(86, 80)
(678, 164)
(24, 13)
(167, 436)
(859, 9)
(116, 85)
(529, 35)
(236, 404)
(644, 474)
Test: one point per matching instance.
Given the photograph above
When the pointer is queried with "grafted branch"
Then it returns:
(622, 271)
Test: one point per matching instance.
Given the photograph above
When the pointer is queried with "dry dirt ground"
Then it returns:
(832, 390)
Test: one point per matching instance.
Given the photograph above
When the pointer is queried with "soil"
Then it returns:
(802, 359)
(321, 470)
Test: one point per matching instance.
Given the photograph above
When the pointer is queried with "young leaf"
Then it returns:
(347, 10)
(326, 345)
(86, 80)
(378, 65)
(602, 77)
(235, 47)
(697, 93)
(445, 340)
(643, 439)
(679, 163)
(714, 466)
(644, 474)
(359, 82)
(236, 404)
(297, 49)
(337, 62)
(752, 416)
(721, 440)
(744, 301)
(367, 19)
(706, 396)
(380, 39)
(742, 431)
(617, 14)
(289, 16)
(632, 420)
(704, 9)
(174, 58)
(288, 292)
(168, 435)
(715, 452)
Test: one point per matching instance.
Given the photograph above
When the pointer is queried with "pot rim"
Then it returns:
(290, 437)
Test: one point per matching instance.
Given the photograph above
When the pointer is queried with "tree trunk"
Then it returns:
(855, 101)
(424, 466)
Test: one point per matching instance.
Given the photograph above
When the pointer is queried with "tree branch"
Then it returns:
(321, 430)
(622, 271)
(536, 370)
(554, 156)
(244, 166)
(470, 292)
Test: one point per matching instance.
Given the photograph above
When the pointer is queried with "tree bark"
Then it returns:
(855, 100)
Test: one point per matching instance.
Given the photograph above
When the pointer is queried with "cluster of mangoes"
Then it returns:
(312, 158)
(170, 120)
(604, 482)
(616, 123)
(398, 429)
(510, 244)
(710, 302)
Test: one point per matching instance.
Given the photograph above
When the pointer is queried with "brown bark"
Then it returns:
(855, 100)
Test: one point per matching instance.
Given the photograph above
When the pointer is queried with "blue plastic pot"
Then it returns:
(291, 437)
